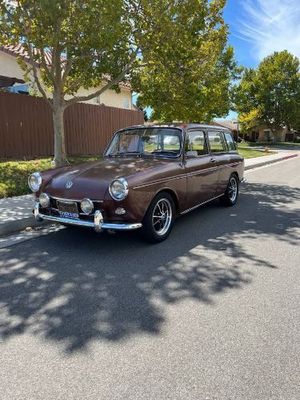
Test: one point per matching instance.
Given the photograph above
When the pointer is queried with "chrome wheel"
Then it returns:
(232, 189)
(162, 216)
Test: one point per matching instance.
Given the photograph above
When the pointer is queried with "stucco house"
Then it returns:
(263, 134)
(12, 77)
(259, 134)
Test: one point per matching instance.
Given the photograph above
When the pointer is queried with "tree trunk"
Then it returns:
(59, 131)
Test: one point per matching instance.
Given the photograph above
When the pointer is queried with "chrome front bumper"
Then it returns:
(98, 224)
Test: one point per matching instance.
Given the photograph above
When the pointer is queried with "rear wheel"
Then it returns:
(159, 219)
(232, 192)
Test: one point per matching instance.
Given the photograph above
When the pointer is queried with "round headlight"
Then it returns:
(35, 181)
(44, 200)
(118, 189)
(87, 206)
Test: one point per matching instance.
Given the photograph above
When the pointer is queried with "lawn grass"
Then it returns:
(270, 145)
(14, 174)
(250, 153)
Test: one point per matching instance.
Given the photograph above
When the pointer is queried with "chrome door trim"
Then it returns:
(201, 204)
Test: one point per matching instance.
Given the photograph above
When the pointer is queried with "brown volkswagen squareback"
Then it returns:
(148, 176)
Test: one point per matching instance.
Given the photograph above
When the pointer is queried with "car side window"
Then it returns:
(216, 142)
(161, 140)
(230, 141)
(196, 143)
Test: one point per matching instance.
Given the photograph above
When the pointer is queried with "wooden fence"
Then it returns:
(26, 128)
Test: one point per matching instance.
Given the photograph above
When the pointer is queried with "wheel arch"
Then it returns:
(236, 174)
(172, 193)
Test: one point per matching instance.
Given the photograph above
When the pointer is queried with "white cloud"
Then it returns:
(270, 25)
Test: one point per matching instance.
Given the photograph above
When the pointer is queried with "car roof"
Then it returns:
(180, 125)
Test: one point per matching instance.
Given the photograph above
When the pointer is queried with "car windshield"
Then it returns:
(165, 142)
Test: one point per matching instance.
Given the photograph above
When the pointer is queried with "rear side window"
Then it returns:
(216, 142)
(197, 143)
(230, 141)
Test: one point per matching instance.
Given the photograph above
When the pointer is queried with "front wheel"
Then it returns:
(232, 192)
(159, 219)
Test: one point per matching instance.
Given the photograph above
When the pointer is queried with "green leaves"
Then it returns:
(189, 68)
(174, 52)
(271, 92)
(85, 39)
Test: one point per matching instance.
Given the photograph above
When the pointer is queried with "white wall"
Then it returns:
(10, 67)
(110, 98)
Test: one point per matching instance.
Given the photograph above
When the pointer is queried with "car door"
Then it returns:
(219, 157)
(201, 172)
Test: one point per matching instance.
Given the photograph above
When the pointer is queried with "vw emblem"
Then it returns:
(69, 184)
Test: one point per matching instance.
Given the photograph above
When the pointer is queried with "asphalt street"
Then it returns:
(213, 313)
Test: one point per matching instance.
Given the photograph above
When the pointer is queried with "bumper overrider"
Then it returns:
(98, 224)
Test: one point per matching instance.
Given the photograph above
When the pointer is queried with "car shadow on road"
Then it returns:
(75, 287)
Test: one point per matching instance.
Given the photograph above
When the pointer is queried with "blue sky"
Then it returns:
(260, 27)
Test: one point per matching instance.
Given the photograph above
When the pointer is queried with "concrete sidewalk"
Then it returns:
(16, 212)
(266, 160)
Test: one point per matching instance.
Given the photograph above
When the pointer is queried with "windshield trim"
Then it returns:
(179, 155)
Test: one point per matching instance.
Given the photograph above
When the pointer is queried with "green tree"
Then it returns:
(174, 50)
(271, 93)
(87, 40)
(140, 107)
(249, 121)
(189, 67)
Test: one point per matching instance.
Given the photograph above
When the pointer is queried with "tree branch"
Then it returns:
(45, 66)
(32, 61)
(35, 75)
(110, 84)
(66, 71)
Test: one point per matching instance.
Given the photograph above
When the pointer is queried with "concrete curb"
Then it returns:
(21, 224)
(263, 163)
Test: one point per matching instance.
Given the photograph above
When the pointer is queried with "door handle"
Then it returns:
(213, 160)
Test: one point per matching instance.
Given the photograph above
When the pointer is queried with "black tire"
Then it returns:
(159, 219)
(232, 192)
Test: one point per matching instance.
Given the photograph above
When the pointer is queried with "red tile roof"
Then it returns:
(19, 51)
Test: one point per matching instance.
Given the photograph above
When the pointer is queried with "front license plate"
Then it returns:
(64, 214)
(68, 210)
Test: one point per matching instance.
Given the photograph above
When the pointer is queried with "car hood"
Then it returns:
(93, 179)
